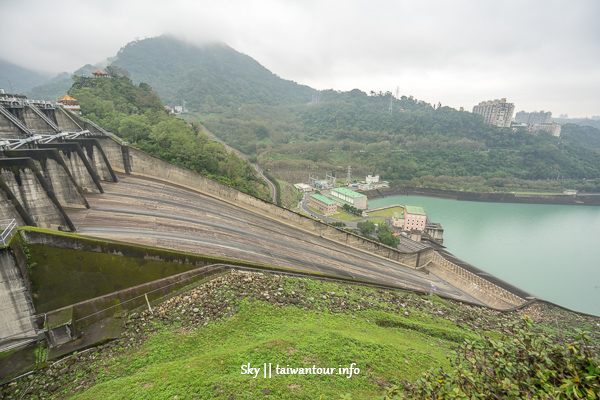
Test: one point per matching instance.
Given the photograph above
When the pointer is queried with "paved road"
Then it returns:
(157, 213)
(272, 186)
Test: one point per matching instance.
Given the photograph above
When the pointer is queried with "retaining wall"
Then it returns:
(579, 199)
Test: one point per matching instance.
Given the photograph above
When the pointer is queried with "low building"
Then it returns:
(303, 187)
(398, 220)
(321, 203)
(372, 179)
(435, 231)
(356, 199)
(415, 218)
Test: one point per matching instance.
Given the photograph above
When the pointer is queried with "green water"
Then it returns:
(551, 251)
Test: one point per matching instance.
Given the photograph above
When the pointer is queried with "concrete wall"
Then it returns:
(70, 269)
(16, 309)
(144, 164)
(97, 158)
(56, 172)
(33, 121)
(580, 199)
(82, 171)
(10, 208)
(33, 192)
(66, 122)
(117, 155)
(9, 130)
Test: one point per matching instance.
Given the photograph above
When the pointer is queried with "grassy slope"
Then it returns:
(243, 318)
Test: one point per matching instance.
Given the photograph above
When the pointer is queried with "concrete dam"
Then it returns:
(63, 174)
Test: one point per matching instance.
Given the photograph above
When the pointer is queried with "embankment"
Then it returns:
(561, 199)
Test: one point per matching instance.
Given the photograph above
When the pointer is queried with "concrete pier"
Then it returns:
(34, 193)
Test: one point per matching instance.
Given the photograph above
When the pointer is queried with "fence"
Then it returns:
(8, 227)
(481, 283)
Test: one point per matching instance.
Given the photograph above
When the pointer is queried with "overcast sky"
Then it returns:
(539, 54)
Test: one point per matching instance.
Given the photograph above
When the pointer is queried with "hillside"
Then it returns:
(137, 115)
(416, 145)
(208, 78)
(194, 346)
(19, 78)
(274, 121)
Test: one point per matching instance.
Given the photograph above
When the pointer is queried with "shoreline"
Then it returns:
(486, 197)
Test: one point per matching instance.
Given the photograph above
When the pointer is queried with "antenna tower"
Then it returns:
(392, 99)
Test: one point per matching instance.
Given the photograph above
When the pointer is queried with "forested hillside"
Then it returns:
(276, 122)
(137, 115)
(208, 78)
(416, 144)
(16, 79)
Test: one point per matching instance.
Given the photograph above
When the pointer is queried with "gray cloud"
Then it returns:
(539, 54)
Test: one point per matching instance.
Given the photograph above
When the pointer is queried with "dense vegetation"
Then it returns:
(417, 144)
(209, 78)
(137, 115)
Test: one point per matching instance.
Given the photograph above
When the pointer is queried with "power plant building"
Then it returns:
(415, 218)
(321, 203)
(356, 199)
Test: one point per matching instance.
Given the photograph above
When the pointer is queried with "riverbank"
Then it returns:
(559, 199)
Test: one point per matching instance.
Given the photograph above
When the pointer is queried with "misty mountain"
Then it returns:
(206, 77)
(19, 78)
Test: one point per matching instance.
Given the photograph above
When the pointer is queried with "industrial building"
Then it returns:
(322, 204)
(355, 199)
(415, 218)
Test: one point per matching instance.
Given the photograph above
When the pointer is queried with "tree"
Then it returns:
(386, 236)
(114, 72)
(366, 227)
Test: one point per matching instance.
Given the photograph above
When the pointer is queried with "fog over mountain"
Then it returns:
(538, 54)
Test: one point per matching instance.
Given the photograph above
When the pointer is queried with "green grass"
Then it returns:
(344, 215)
(388, 212)
(205, 362)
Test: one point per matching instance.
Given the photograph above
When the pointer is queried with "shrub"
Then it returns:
(522, 365)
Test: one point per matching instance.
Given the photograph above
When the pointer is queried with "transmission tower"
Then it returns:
(392, 99)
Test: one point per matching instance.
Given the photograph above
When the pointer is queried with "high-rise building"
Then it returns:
(533, 118)
(495, 112)
(522, 117)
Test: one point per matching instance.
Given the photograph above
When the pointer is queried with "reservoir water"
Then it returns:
(550, 251)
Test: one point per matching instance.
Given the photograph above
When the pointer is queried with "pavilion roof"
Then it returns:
(67, 98)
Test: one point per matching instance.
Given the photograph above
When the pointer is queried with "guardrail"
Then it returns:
(480, 282)
(9, 227)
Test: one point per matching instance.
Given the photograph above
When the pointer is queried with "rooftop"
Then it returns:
(323, 199)
(415, 210)
(348, 192)
(398, 215)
